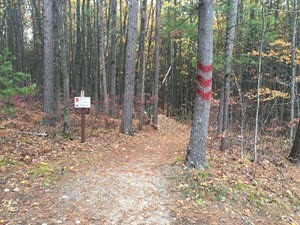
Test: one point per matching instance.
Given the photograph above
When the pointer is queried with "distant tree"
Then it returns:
(48, 63)
(102, 60)
(113, 60)
(230, 35)
(295, 153)
(142, 71)
(156, 64)
(63, 28)
(130, 65)
(294, 23)
(196, 157)
(78, 49)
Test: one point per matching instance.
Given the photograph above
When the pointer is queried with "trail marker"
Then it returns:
(82, 103)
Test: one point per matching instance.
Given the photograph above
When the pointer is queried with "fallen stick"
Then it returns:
(32, 133)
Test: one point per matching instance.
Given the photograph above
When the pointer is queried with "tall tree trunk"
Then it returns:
(293, 64)
(57, 89)
(96, 54)
(295, 153)
(142, 55)
(83, 44)
(130, 65)
(157, 64)
(89, 42)
(19, 38)
(78, 49)
(113, 63)
(259, 82)
(48, 63)
(196, 157)
(230, 35)
(63, 28)
(102, 59)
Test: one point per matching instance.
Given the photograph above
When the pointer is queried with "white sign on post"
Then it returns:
(82, 102)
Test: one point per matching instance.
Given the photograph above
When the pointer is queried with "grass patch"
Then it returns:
(218, 192)
(241, 186)
(5, 162)
(43, 170)
(65, 136)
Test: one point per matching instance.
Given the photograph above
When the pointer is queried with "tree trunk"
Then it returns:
(48, 63)
(96, 54)
(142, 63)
(57, 69)
(295, 153)
(130, 65)
(157, 64)
(230, 35)
(63, 28)
(196, 157)
(19, 38)
(102, 60)
(113, 64)
(259, 82)
(78, 49)
(293, 64)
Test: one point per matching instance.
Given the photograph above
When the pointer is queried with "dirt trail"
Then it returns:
(130, 187)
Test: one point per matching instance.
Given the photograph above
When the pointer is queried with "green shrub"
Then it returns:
(12, 83)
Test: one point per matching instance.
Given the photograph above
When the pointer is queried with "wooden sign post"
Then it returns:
(82, 103)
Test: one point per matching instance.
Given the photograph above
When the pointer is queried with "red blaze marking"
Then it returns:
(204, 95)
(203, 82)
(77, 99)
(203, 68)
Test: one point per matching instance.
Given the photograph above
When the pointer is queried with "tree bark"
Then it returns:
(157, 64)
(48, 63)
(295, 153)
(102, 60)
(126, 126)
(196, 153)
(259, 83)
(57, 69)
(113, 63)
(63, 28)
(19, 38)
(78, 49)
(142, 63)
(230, 36)
(293, 65)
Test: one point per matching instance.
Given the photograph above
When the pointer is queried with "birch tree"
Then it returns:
(196, 157)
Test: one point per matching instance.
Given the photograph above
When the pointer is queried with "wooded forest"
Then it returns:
(227, 69)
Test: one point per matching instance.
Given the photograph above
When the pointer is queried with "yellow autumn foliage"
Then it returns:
(267, 94)
(281, 52)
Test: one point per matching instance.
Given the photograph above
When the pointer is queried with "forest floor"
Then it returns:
(140, 179)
